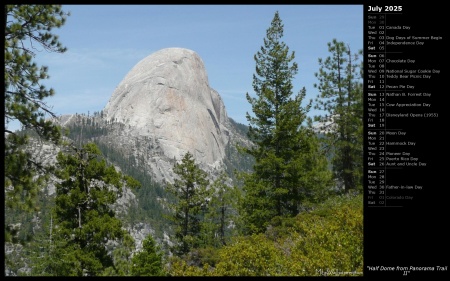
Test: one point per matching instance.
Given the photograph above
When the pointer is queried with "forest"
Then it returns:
(291, 204)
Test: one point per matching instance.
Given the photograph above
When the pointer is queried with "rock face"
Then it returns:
(166, 98)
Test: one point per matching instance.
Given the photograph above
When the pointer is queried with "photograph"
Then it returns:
(205, 140)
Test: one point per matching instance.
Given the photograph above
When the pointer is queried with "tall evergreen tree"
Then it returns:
(281, 136)
(149, 261)
(222, 211)
(191, 193)
(341, 99)
(27, 27)
(84, 223)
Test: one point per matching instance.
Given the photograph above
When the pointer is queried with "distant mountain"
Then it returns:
(163, 108)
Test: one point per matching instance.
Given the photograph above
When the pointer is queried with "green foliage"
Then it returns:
(27, 234)
(289, 168)
(204, 256)
(250, 256)
(326, 240)
(221, 213)
(179, 267)
(255, 208)
(148, 209)
(190, 193)
(149, 261)
(22, 180)
(341, 98)
(121, 253)
(331, 240)
(84, 222)
(27, 27)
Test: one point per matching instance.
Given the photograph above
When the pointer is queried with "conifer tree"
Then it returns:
(283, 141)
(191, 194)
(149, 261)
(222, 211)
(341, 100)
(27, 28)
(84, 223)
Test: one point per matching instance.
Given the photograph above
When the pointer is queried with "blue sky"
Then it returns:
(105, 41)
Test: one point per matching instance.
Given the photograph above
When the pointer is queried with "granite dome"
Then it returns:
(167, 97)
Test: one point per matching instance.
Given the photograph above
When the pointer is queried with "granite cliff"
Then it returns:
(165, 107)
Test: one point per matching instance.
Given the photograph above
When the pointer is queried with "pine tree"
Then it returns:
(27, 27)
(281, 135)
(191, 192)
(222, 211)
(84, 223)
(341, 98)
(149, 261)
